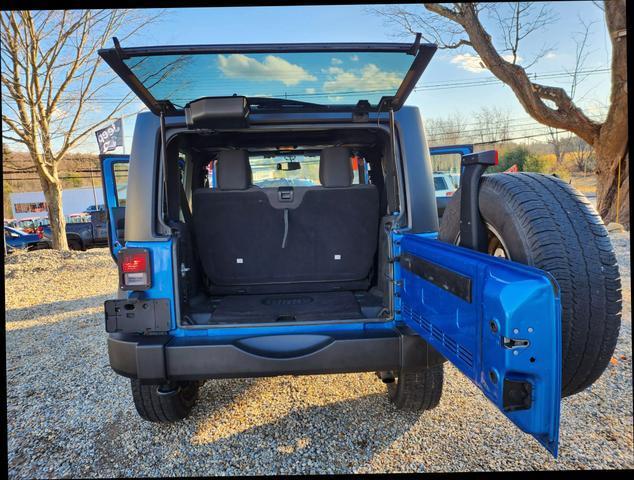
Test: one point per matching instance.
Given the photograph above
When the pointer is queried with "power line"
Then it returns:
(503, 140)
(484, 133)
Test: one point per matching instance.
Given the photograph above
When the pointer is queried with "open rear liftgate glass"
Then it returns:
(497, 321)
(167, 78)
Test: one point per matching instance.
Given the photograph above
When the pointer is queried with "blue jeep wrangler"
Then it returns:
(280, 220)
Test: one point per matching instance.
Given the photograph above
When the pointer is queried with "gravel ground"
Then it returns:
(69, 415)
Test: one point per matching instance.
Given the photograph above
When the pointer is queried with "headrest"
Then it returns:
(233, 171)
(335, 167)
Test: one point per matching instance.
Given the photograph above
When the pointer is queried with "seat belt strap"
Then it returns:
(185, 207)
(285, 227)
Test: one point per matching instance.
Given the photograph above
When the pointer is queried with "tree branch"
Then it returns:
(566, 115)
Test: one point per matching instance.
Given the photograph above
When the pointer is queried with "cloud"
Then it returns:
(371, 78)
(271, 68)
(469, 62)
(354, 58)
(550, 55)
(333, 70)
(473, 63)
(336, 61)
(310, 90)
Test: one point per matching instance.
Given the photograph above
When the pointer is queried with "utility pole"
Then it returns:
(94, 195)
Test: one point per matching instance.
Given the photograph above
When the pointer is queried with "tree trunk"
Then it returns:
(609, 195)
(53, 196)
(611, 145)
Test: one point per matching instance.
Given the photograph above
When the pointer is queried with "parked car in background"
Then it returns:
(84, 231)
(78, 218)
(17, 239)
(95, 208)
(445, 184)
(30, 224)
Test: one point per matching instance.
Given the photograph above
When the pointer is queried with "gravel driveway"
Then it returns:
(70, 415)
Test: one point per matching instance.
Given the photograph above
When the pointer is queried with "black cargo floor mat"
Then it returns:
(286, 307)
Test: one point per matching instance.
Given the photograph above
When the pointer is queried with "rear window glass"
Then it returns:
(293, 170)
(439, 183)
(327, 78)
(286, 170)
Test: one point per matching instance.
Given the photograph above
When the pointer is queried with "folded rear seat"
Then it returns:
(263, 240)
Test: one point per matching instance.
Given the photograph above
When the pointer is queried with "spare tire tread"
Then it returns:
(584, 219)
(561, 233)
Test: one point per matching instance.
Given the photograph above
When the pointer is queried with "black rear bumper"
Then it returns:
(157, 359)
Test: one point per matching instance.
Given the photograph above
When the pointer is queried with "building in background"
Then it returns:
(74, 200)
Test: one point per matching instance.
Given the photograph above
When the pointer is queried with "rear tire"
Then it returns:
(417, 391)
(546, 223)
(164, 403)
(75, 245)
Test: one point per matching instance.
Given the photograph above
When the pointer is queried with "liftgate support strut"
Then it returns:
(473, 232)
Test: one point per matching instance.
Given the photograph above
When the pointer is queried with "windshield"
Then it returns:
(326, 78)
(268, 172)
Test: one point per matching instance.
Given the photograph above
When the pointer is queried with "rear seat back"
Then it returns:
(257, 240)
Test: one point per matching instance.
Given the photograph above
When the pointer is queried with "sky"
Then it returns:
(441, 93)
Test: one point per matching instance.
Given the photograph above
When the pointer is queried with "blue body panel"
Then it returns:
(524, 304)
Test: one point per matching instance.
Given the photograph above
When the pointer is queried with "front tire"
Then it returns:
(544, 222)
(417, 391)
(164, 403)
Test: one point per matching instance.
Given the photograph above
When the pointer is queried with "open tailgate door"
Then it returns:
(497, 321)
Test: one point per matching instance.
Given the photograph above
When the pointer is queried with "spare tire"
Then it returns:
(541, 221)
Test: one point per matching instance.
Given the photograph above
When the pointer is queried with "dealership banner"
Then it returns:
(110, 137)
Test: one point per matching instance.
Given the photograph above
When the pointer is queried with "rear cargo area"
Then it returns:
(285, 307)
(275, 237)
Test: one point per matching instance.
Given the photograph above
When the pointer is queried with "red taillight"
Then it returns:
(496, 157)
(134, 268)
(134, 263)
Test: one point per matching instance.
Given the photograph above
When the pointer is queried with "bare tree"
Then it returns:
(51, 79)
(446, 131)
(458, 24)
(493, 124)
(559, 143)
(582, 154)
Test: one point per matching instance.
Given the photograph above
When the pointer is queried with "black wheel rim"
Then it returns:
(495, 246)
